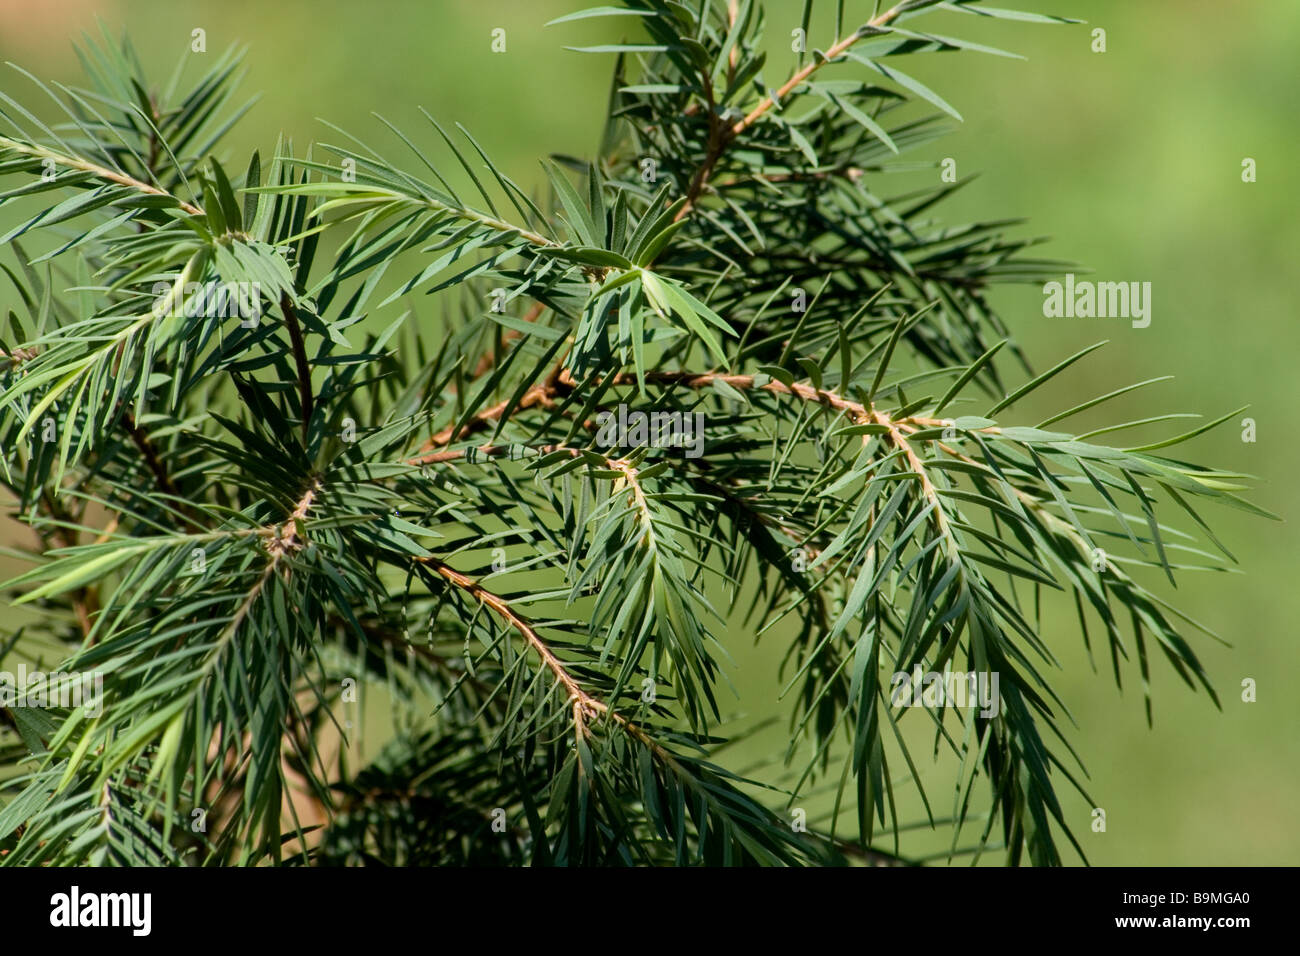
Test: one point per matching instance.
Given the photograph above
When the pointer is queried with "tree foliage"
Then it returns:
(392, 480)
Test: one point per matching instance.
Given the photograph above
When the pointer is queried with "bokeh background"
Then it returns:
(1130, 158)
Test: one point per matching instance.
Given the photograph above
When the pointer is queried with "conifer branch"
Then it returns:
(99, 172)
(655, 446)
(720, 137)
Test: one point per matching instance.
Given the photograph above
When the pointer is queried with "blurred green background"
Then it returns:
(1130, 158)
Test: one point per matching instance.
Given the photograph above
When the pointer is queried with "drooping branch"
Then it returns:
(543, 395)
(720, 137)
(99, 172)
(839, 48)
(897, 430)
(585, 705)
